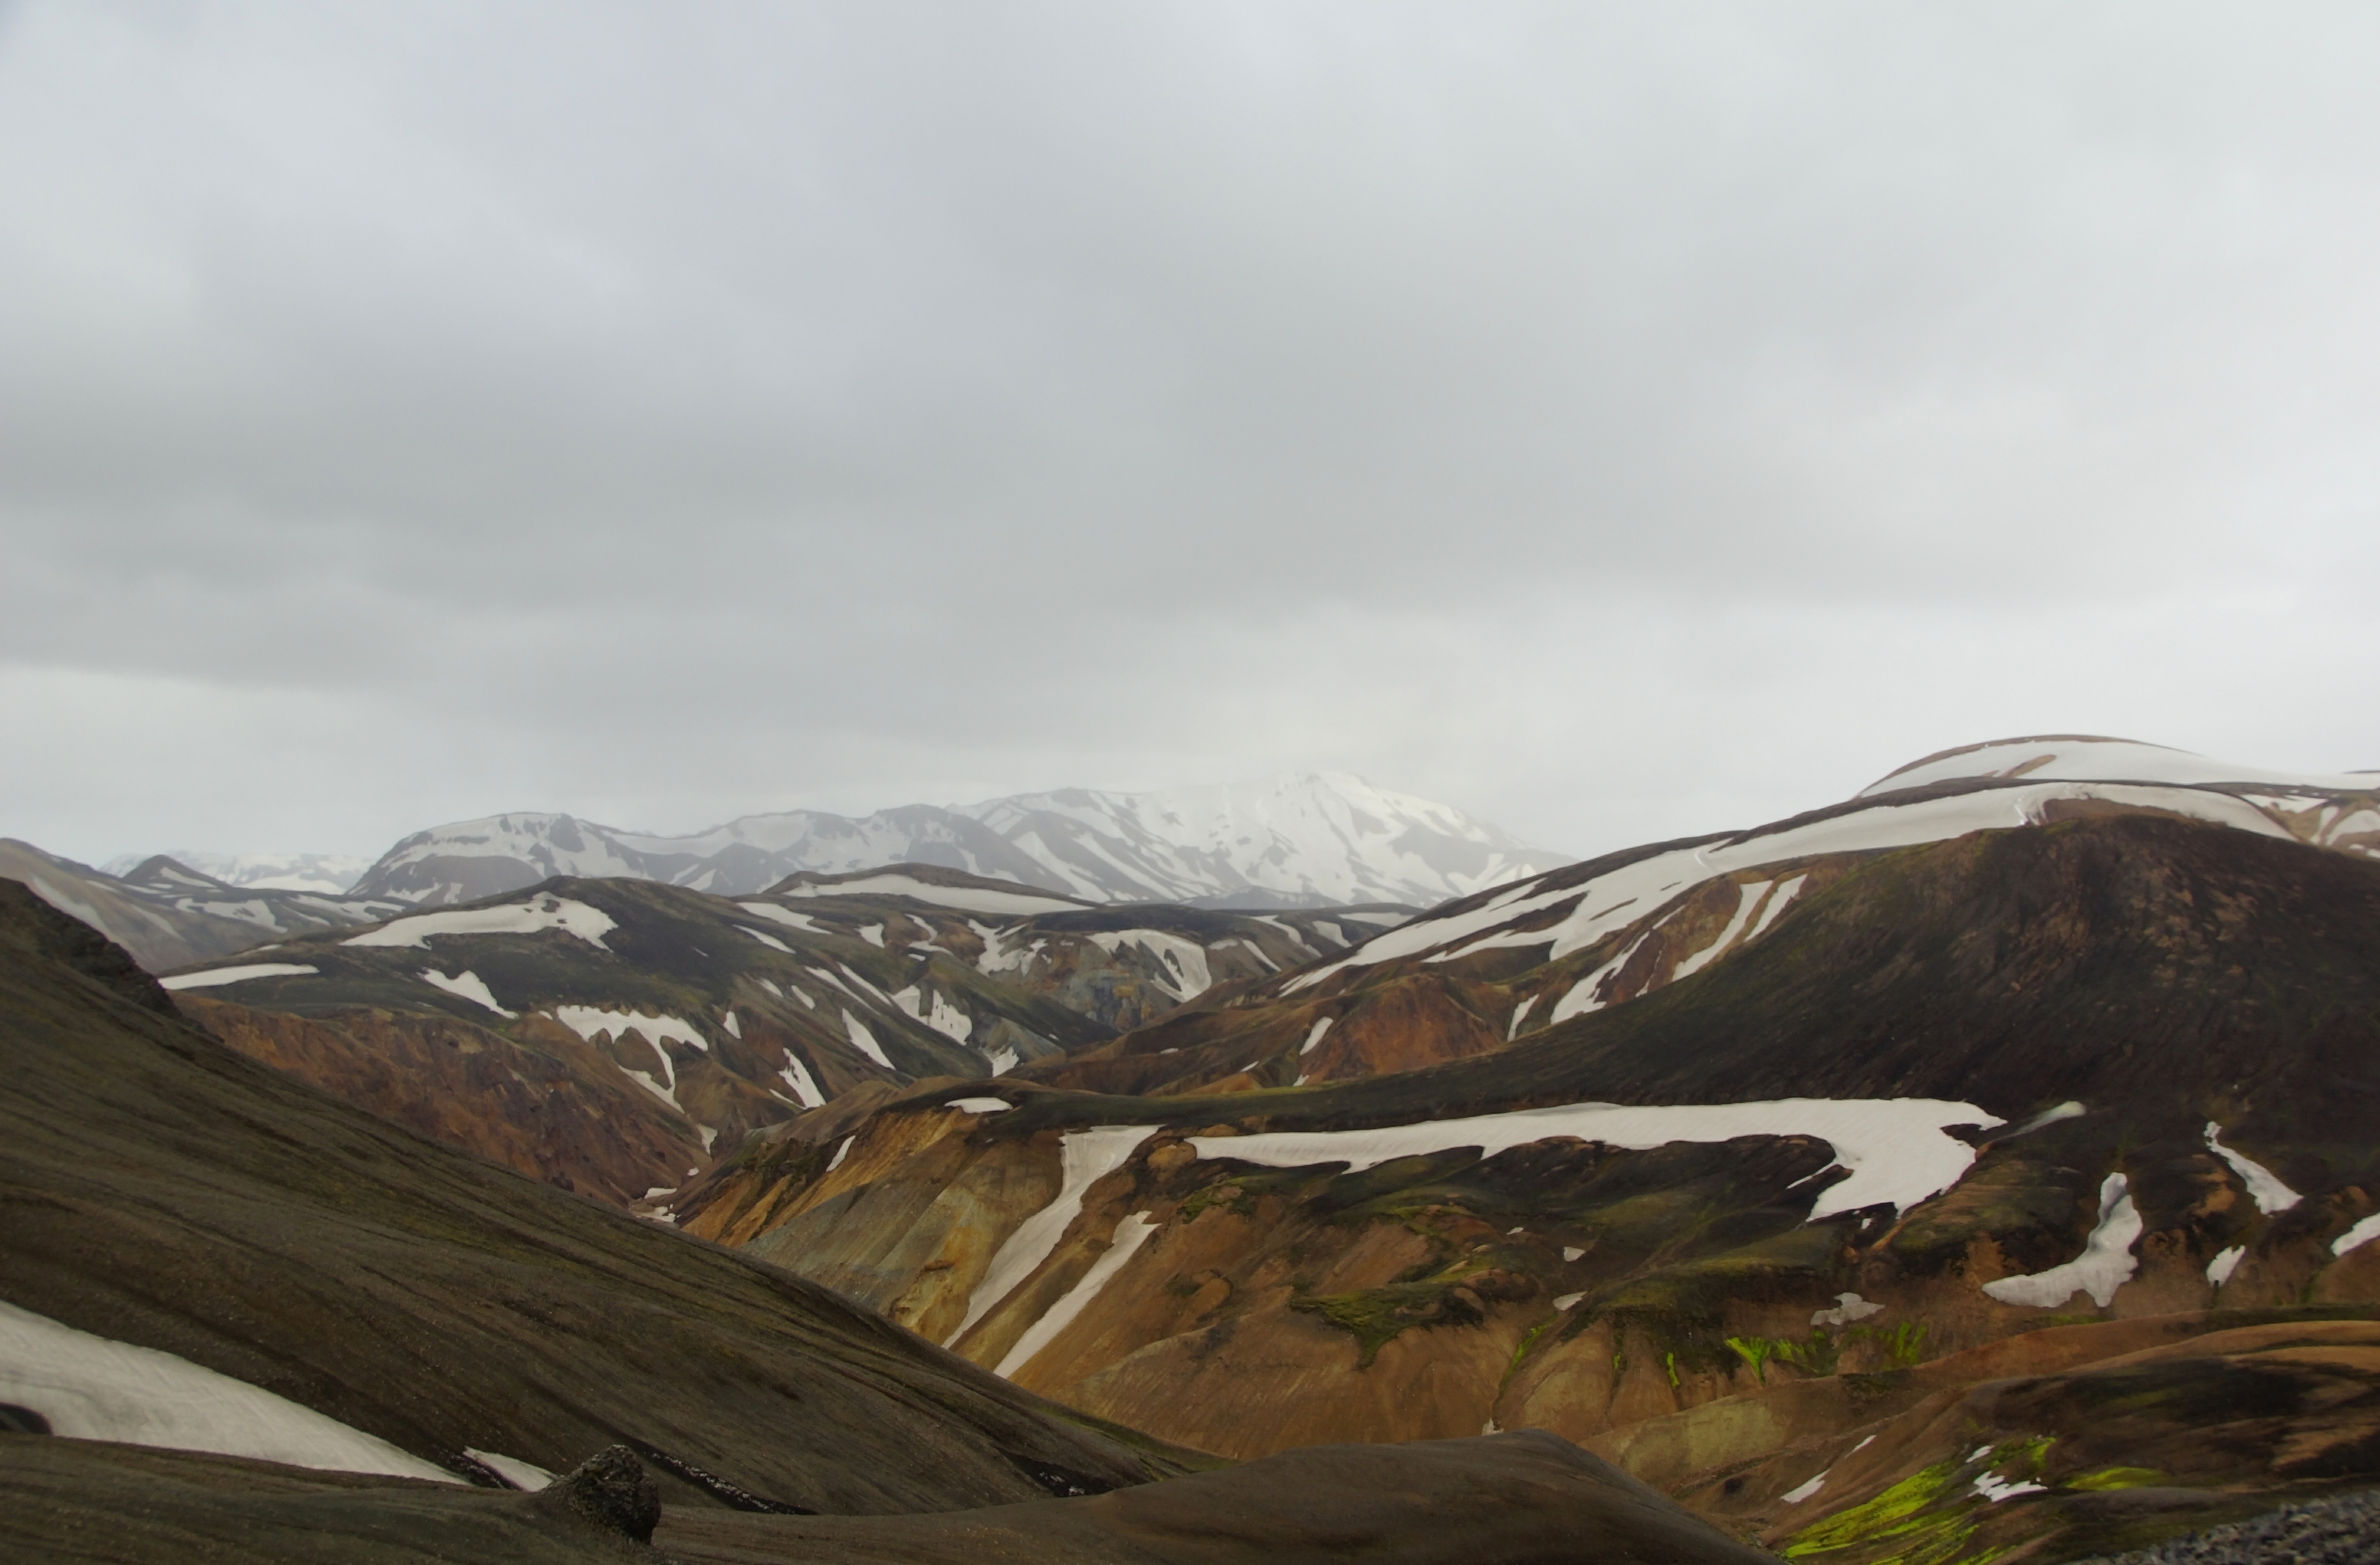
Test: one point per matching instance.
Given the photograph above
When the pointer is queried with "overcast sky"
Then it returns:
(1616, 421)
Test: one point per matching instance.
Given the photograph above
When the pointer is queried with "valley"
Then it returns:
(1983, 1165)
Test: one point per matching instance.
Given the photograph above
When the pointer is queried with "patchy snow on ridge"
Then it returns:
(1896, 1151)
(1618, 897)
(214, 976)
(590, 924)
(2084, 759)
(2106, 1264)
(864, 1041)
(934, 1009)
(1085, 1157)
(965, 899)
(797, 1076)
(94, 1388)
(466, 985)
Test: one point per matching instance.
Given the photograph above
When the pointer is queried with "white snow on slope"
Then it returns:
(590, 924)
(980, 1105)
(2265, 1187)
(2103, 761)
(2106, 1264)
(864, 1041)
(94, 1388)
(966, 899)
(771, 941)
(786, 916)
(2362, 1233)
(214, 976)
(1130, 1235)
(1620, 897)
(1746, 898)
(588, 1020)
(1085, 1157)
(465, 985)
(935, 1010)
(806, 1089)
(2219, 1269)
(1314, 1033)
(1183, 962)
(1896, 1149)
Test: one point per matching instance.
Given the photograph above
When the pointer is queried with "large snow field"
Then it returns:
(1085, 1157)
(94, 1388)
(1897, 1149)
(214, 976)
(590, 924)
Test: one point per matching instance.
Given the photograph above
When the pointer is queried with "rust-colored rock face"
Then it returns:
(551, 1109)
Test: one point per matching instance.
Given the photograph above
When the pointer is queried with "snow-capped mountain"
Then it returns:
(1300, 839)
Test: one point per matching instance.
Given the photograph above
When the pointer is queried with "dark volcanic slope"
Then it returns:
(1517, 1499)
(2132, 963)
(158, 1189)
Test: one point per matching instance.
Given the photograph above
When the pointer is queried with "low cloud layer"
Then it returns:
(1617, 421)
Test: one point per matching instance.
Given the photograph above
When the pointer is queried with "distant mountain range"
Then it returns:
(1299, 840)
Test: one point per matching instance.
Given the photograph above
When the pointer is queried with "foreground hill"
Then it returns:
(2107, 1066)
(1302, 839)
(610, 1035)
(352, 1344)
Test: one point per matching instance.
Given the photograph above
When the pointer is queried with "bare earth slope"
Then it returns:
(157, 1188)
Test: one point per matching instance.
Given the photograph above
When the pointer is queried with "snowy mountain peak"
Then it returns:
(1302, 839)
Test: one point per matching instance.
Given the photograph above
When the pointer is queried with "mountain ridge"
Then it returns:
(1299, 839)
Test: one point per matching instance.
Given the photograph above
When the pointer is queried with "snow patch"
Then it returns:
(980, 1105)
(864, 1041)
(966, 899)
(1746, 899)
(2362, 1233)
(2219, 1269)
(728, 1020)
(935, 1010)
(587, 1021)
(840, 1154)
(1897, 1150)
(1085, 1157)
(2106, 1264)
(1848, 1307)
(771, 941)
(784, 916)
(214, 976)
(1183, 963)
(1130, 1235)
(590, 924)
(1314, 1036)
(2264, 1187)
(94, 1388)
(797, 1076)
(465, 985)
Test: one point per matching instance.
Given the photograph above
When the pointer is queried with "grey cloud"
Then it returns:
(927, 401)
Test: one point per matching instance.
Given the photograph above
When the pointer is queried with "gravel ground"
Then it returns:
(2342, 1530)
